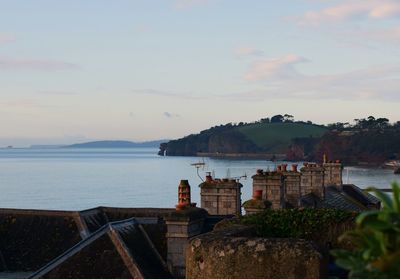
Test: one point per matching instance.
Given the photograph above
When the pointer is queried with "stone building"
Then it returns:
(221, 196)
(317, 186)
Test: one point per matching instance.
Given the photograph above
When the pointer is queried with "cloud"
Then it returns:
(385, 35)
(166, 94)
(278, 78)
(352, 9)
(282, 67)
(187, 4)
(22, 104)
(56, 92)
(35, 64)
(171, 115)
(143, 28)
(248, 51)
(6, 38)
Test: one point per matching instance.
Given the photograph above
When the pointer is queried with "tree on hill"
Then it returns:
(288, 118)
(277, 118)
(371, 123)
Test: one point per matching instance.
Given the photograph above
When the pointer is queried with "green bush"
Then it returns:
(376, 239)
(311, 224)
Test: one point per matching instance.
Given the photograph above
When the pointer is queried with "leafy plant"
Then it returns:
(376, 239)
(306, 223)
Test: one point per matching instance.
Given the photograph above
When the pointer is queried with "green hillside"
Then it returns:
(276, 137)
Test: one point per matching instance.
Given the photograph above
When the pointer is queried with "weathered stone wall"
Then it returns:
(292, 187)
(312, 181)
(272, 186)
(333, 174)
(221, 198)
(235, 254)
(181, 226)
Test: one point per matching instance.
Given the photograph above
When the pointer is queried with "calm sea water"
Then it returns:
(77, 179)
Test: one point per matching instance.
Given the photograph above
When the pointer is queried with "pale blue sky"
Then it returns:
(141, 70)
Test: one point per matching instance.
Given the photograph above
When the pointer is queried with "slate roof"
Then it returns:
(350, 198)
(364, 197)
(119, 249)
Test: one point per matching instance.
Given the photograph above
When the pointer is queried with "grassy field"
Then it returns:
(275, 137)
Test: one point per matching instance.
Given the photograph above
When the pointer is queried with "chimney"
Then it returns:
(294, 167)
(183, 195)
(257, 195)
(209, 177)
(279, 168)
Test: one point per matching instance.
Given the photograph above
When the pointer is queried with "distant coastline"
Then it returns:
(115, 144)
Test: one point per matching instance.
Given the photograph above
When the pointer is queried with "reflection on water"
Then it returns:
(82, 178)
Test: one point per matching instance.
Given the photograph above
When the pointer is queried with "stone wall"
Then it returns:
(235, 253)
(292, 187)
(181, 226)
(272, 186)
(221, 197)
(333, 174)
(312, 180)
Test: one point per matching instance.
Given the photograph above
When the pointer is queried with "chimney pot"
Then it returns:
(257, 195)
(183, 195)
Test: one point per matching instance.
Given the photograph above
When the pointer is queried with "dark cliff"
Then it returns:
(354, 147)
(220, 142)
(369, 146)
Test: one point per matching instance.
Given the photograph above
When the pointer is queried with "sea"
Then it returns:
(77, 179)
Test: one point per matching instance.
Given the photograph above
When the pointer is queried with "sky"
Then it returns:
(74, 71)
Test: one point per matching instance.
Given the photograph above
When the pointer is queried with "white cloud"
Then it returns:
(386, 35)
(282, 67)
(187, 4)
(278, 78)
(6, 38)
(351, 9)
(166, 94)
(248, 51)
(35, 64)
(21, 104)
(57, 92)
